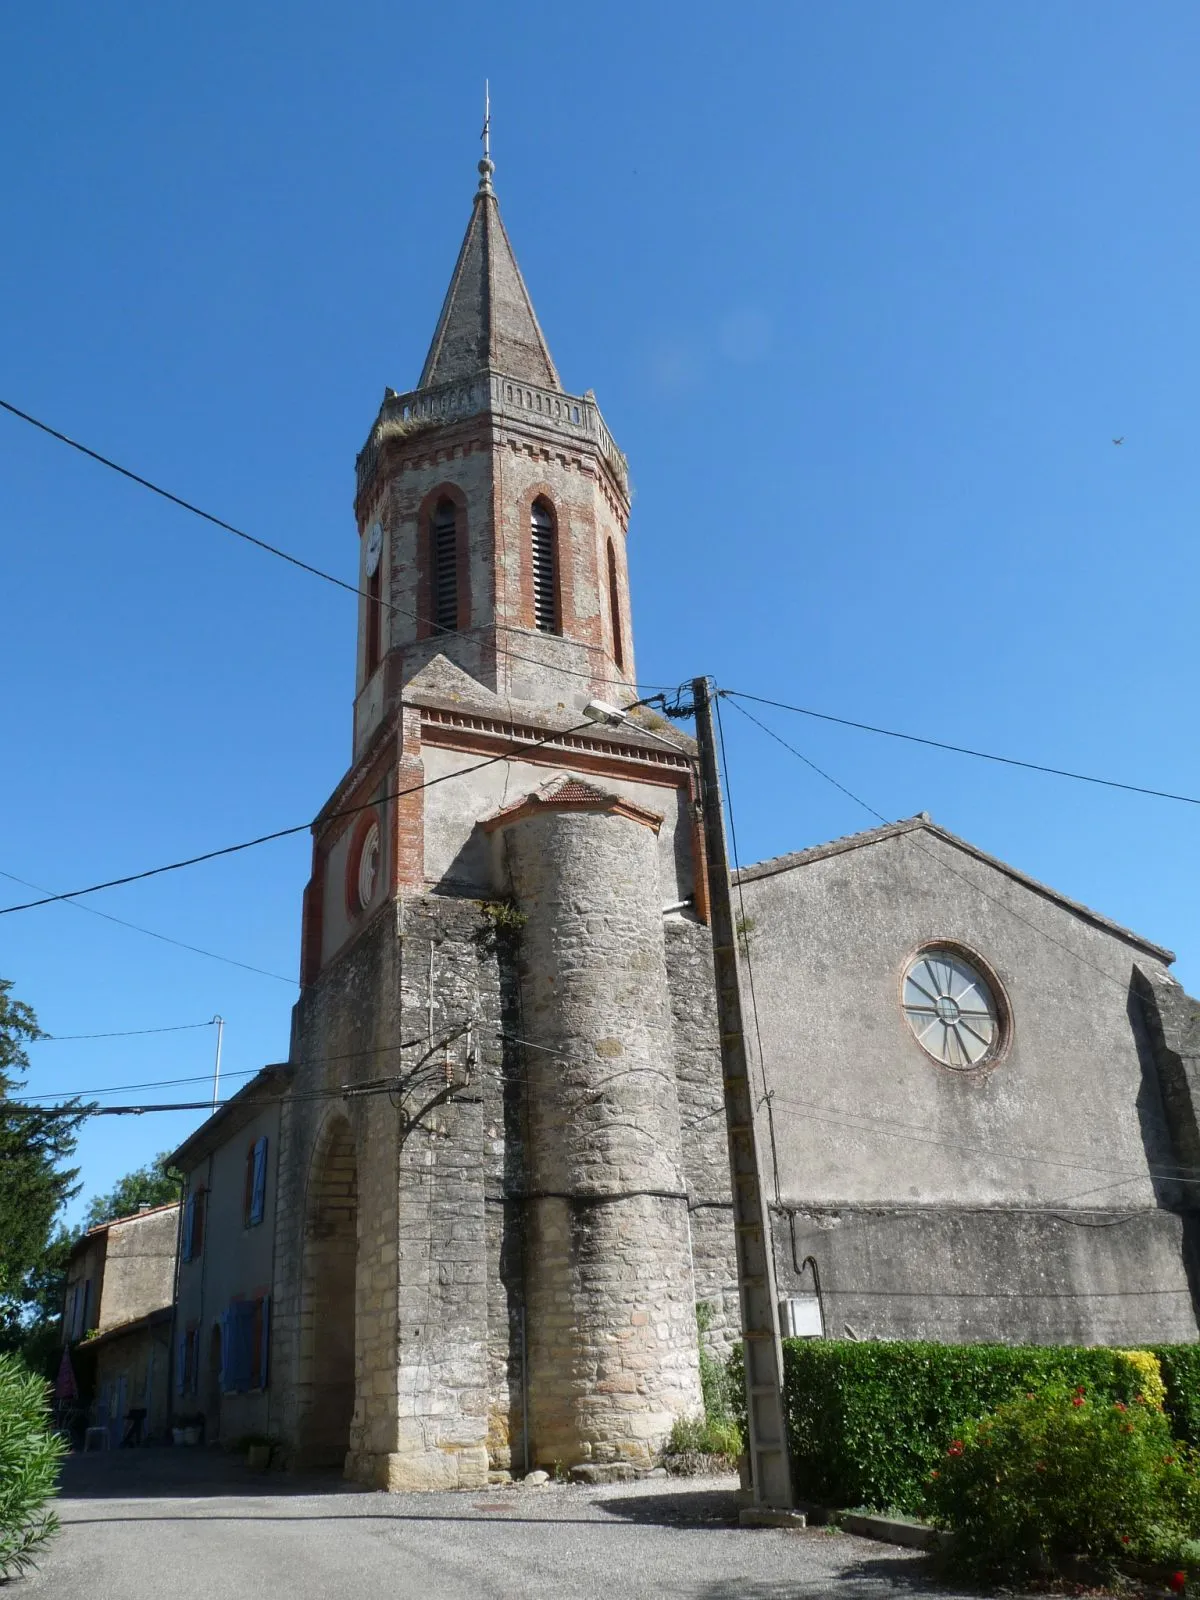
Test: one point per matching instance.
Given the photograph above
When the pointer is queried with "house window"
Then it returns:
(614, 609)
(444, 567)
(245, 1333)
(254, 1198)
(545, 574)
(193, 1224)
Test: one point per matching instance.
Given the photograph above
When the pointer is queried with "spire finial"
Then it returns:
(486, 166)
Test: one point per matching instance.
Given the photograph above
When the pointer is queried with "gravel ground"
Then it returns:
(187, 1525)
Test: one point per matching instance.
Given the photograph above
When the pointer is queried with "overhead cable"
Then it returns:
(965, 750)
(954, 872)
(136, 927)
(302, 827)
(275, 550)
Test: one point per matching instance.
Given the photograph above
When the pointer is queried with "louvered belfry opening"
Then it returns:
(614, 606)
(445, 568)
(545, 578)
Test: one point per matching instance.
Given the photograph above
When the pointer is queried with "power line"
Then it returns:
(301, 827)
(965, 750)
(275, 550)
(954, 872)
(206, 1077)
(123, 1033)
(136, 927)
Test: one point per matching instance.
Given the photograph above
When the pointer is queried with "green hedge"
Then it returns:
(1180, 1365)
(29, 1463)
(868, 1420)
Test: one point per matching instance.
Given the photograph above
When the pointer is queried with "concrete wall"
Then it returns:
(461, 857)
(236, 1262)
(950, 1203)
(139, 1266)
(134, 1370)
(85, 1276)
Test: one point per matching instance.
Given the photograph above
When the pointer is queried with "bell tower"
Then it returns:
(503, 895)
(492, 510)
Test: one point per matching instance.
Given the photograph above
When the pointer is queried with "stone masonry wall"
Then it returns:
(612, 1355)
(692, 992)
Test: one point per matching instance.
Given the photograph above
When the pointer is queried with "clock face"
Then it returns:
(374, 548)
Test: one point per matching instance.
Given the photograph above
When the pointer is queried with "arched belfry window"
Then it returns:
(614, 608)
(444, 567)
(545, 567)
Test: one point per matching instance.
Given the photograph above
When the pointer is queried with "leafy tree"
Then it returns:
(154, 1185)
(35, 1142)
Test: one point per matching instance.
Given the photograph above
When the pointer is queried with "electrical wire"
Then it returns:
(954, 872)
(123, 1033)
(965, 750)
(275, 550)
(302, 827)
(136, 927)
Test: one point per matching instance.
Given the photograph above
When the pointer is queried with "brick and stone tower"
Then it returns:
(484, 1253)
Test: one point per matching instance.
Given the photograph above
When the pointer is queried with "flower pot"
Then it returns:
(177, 1435)
(191, 1435)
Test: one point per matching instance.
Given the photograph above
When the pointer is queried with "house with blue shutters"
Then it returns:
(222, 1328)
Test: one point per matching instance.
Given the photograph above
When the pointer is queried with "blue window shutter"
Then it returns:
(264, 1335)
(181, 1367)
(246, 1351)
(258, 1198)
(225, 1373)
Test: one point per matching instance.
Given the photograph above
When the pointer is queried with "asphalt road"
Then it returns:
(185, 1525)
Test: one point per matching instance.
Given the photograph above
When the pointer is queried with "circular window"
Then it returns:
(366, 869)
(952, 1009)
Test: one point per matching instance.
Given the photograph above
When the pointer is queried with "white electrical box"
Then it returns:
(800, 1317)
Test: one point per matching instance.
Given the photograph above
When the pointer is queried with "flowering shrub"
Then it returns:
(1059, 1474)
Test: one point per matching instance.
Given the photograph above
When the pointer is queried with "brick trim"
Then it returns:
(608, 805)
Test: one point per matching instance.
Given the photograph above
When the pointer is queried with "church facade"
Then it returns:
(499, 1184)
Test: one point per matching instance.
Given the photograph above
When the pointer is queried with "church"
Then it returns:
(466, 1227)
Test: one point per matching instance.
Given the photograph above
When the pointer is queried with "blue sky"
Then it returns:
(865, 291)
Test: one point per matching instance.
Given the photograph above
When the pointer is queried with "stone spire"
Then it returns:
(488, 320)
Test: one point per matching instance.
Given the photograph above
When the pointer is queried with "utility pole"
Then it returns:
(765, 1412)
(220, 1022)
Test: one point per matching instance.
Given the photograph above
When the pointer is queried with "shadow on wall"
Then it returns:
(1164, 1024)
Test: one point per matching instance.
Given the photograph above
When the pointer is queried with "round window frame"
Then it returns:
(355, 905)
(998, 1051)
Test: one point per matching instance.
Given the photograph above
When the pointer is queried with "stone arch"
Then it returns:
(327, 1351)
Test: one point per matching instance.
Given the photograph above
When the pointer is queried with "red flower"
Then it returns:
(1120, 1405)
(956, 1449)
(1178, 1582)
(1124, 1538)
(1078, 1400)
(935, 1473)
(1079, 1389)
(1168, 1460)
(1127, 1427)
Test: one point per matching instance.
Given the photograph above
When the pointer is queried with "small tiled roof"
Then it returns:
(568, 791)
(924, 823)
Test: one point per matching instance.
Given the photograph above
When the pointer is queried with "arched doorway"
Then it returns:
(330, 1259)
